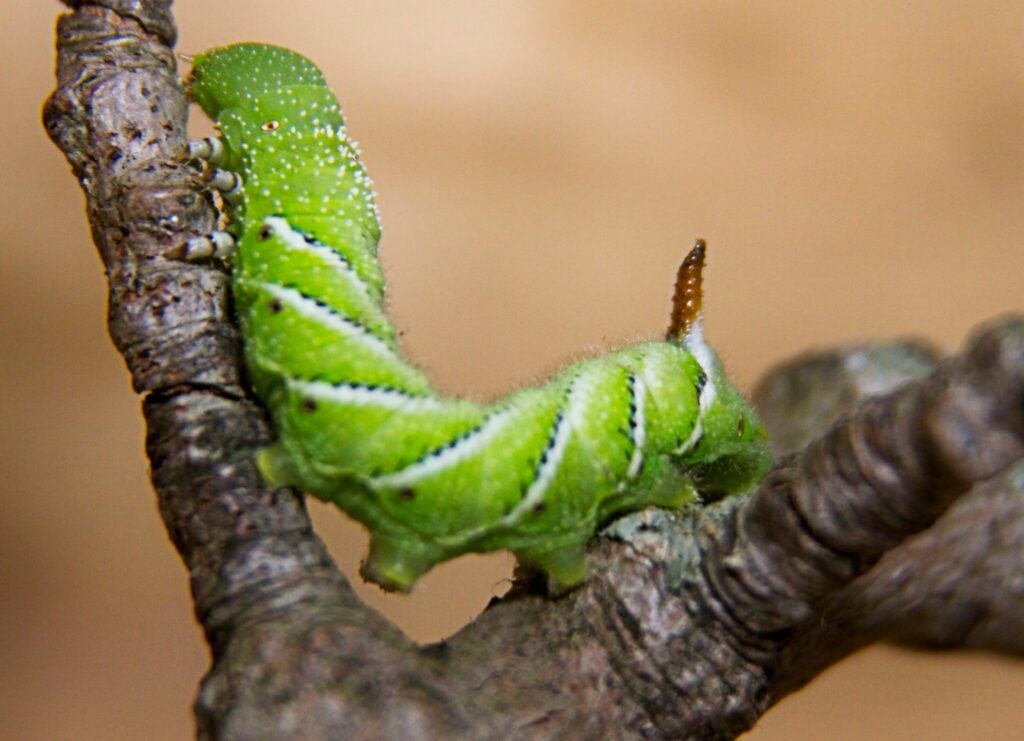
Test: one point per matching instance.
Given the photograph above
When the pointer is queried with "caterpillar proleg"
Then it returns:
(430, 476)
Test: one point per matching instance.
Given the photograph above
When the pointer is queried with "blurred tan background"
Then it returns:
(857, 169)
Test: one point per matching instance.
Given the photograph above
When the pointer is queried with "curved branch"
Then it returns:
(693, 623)
(954, 585)
(119, 115)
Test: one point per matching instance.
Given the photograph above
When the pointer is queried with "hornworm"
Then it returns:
(433, 477)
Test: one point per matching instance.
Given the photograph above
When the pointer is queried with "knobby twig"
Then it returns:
(693, 622)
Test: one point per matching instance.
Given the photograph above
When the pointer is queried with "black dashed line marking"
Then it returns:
(701, 382)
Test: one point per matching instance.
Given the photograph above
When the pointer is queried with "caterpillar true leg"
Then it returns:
(215, 244)
(209, 149)
(228, 183)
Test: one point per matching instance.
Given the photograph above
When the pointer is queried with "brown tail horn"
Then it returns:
(687, 301)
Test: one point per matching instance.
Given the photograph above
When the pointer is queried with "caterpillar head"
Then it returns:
(236, 75)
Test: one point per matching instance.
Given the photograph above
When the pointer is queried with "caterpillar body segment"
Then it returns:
(431, 476)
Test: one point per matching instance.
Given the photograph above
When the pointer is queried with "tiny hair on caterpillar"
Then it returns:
(431, 476)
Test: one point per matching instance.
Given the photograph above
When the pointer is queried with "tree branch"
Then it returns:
(955, 585)
(693, 622)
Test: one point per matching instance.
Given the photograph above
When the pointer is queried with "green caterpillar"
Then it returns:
(433, 477)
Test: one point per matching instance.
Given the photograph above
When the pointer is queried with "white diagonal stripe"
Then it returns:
(437, 461)
(310, 309)
(695, 434)
(539, 487)
(638, 390)
(705, 357)
(364, 396)
(295, 240)
(555, 448)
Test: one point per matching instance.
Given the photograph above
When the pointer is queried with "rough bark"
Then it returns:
(903, 520)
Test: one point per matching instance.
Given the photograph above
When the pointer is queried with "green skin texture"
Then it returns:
(433, 477)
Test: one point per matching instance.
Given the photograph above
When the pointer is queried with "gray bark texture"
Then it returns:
(895, 512)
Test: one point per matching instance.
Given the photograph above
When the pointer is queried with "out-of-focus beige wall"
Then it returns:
(857, 169)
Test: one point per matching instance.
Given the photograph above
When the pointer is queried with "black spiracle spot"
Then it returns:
(266, 232)
(309, 405)
(539, 508)
(406, 493)
(275, 306)
(701, 382)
